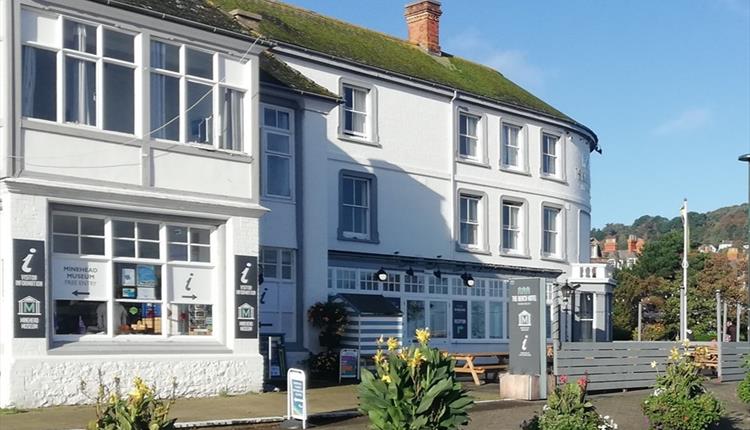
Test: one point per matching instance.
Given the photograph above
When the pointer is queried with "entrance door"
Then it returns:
(278, 293)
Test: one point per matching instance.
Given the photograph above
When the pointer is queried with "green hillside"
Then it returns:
(728, 223)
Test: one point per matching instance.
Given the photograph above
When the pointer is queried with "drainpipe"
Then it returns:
(453, 148)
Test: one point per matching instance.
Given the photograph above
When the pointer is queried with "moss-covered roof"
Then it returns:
(199, 11)
(307, 29)
(275, 71)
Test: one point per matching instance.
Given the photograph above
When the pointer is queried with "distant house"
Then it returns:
(609, 254)
(707, 249)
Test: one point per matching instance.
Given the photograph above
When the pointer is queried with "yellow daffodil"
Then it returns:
(402, 355)
(423, 336)
(392, 344)
(386, 379)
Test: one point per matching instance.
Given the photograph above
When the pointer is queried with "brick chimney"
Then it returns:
(423, 21)
(610, 245)
(632, 243)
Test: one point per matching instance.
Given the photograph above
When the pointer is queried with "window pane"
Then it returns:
(165, 107)
(347, 219)
(92, 246)
(200, 253)
(80, 37)
(118, 45)
(65, 244)
(360, 220)
(148, 249)
(477, 320)
(231, 117)
(92, 226)
(415, 317)
(119, 93)
(193, 320)
(200, 117)
(148, 231)
(269, 117)
(277, 142)
(65, 224)
(164, 56)
(587, 306)
(80, 91)
(283, 120)
(80, 317)
(286, 272)
(123, 229)
(199, 63)
(347, 190)
(496, 320)
(286, 257)
(140, 318)
(358, 123)
(278, 181)
(124, 248)
(178, 252)
(39, 83)
(439, 319)
(177, 234)
(348, 97)
(200, 235)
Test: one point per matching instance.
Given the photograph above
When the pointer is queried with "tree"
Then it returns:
(661, 257)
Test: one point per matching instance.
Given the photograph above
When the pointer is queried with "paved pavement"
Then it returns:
(623, 407)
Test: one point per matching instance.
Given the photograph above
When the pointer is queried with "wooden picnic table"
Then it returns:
(475, 369)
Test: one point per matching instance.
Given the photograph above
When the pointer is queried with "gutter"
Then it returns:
(179, 20)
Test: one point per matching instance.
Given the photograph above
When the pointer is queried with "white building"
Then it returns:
(432, 164)
(152, 149)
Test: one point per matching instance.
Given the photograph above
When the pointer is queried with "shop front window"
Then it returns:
(110, 276)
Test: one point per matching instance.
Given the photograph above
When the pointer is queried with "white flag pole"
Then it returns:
(683, 291)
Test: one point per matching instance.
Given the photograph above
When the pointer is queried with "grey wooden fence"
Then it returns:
(613, 365)
(731, 356)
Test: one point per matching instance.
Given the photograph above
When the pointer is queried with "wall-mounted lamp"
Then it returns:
(260, 278)
(382, 275)
(437, 273)
(468, 279)
(410, 271)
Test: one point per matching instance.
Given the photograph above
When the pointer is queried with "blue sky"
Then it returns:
(664, 84)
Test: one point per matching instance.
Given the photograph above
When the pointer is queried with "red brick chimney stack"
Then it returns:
(423, 21)
(632, 243)
(610, 245)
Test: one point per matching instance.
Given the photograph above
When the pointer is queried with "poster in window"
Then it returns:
(460, 319)
(78, 278)
(129, 293)
(29, 285)
(127, 277)
(190, 284)
(146, 275)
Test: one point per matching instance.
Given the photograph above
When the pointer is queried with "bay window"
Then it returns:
(109, 276)
(84, 73)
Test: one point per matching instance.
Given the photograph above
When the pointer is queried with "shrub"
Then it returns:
(743, 388)
(679, 400)
(413, 388)
(568, 409)
(331, 319)
(139, 410)
(324, 364)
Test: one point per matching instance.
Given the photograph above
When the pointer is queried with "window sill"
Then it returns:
(553, 179)
(554, 259)
(504, 253)
(137, 346)
(343, 238)
(508, 169)
(471, 162)
(275, 199)
(360, 140)
(464, 248)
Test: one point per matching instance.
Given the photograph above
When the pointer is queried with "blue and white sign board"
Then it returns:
(296, 396)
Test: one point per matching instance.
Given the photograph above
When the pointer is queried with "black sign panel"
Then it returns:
(460, 319)
(29, 286)
(527, 326)
(246, 296)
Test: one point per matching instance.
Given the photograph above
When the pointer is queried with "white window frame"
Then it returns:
(580, 319)
(559, 253)
(163, 263)
(521, 229)
(370, 134)
(559, 156)
(265, 130)
(279, 265)
(368, 235)
(521, 148)
(480, 223)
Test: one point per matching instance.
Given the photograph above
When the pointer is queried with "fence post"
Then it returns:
(555, 327)
(724, 323)
(737, 324)
(640, 318)
(719, 333)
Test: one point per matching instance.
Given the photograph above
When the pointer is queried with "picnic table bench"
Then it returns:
(466, 362)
